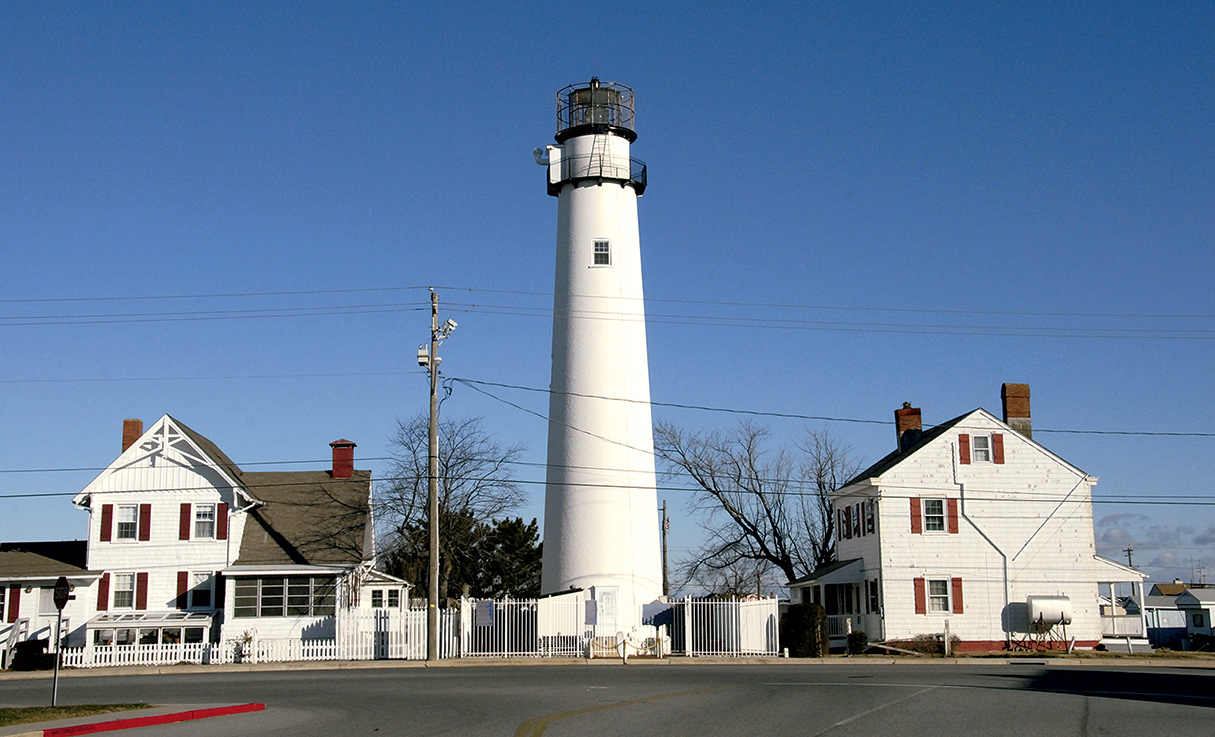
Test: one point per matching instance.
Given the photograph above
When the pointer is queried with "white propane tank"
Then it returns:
(1051, 610)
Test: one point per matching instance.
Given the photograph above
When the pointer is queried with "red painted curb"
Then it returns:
(181, 716)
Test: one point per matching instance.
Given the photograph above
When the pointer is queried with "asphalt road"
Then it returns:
(880, 700)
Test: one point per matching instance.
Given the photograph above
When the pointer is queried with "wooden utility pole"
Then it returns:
(666, 525)
(432, 599)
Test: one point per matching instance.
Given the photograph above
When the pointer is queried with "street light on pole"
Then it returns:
(429, 359)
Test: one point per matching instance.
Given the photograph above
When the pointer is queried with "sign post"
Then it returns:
(63, 592)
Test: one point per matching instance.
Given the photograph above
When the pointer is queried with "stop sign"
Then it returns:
(62, 591)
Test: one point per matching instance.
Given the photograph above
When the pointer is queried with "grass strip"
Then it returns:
(28, 714)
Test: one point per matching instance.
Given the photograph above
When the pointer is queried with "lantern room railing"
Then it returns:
(599, 167)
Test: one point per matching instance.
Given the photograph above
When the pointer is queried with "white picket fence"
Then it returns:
(549, 627)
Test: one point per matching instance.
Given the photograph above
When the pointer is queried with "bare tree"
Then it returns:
(759, 505)
(742, 578)
(826, 465)
(476, 485)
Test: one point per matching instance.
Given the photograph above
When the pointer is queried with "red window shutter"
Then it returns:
(917, 521)
(107, 522)
(957, 596)
(145, 522)
(953, 516)
(141, 590)
(921, 597)
(14, 603)
(183, 522)
(964, 448)
(221, 521)
(997, 447)
(183, 589)
(103, 593)
(219, 590)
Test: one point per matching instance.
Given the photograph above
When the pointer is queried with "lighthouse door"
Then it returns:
(607, 598)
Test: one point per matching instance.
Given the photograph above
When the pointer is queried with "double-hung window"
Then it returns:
(938, 595)
(934, 515)
(204, 521)
(981, 448)
(124, 590)
(200, 590)
(128, 522)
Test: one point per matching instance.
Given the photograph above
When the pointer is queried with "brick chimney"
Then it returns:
(343, 459)
(907, 425)
(1015, 398)
(132, 430)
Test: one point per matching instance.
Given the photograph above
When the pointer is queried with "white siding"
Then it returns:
(1025, 527)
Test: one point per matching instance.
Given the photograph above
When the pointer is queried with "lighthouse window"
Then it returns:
(603, 253)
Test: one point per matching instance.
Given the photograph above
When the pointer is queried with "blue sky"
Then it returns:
(850, 206)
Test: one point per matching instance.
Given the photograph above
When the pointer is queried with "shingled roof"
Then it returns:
(894, 458)
(22, 564)
(307, 518)
(211, 449)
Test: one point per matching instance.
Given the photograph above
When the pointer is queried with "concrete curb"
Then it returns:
(110, 725)
(1084, 662)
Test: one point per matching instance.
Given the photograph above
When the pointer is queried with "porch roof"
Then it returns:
(1111, 571)
(841, 571)
(150, 619)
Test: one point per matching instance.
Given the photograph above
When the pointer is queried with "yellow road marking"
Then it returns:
(535, 727)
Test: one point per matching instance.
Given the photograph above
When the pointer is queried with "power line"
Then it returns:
(797, 416)
(769, 321)
(216, 295)
(549, 295)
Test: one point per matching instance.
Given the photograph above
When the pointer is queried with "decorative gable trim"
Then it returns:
(169, 440)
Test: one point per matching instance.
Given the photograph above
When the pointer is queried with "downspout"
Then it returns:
(992, 543)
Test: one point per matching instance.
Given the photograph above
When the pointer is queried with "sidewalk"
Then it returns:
(300, 665)
(117, 720)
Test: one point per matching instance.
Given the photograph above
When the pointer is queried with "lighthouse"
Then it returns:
(600, 508)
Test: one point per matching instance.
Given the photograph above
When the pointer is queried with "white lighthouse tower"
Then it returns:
(600, 510)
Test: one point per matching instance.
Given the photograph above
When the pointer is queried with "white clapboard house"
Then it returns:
(28, 573)
(973, 527)
(186, 547)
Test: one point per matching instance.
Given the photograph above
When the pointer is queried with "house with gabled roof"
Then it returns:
(190, 548)
(28, 573)
(975, 529)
